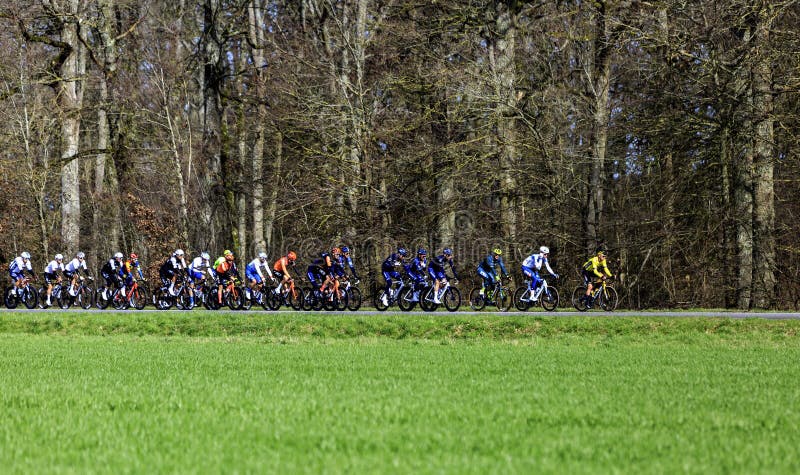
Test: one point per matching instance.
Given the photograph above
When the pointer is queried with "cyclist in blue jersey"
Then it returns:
(416, 272)
(487, 269)
(437, 272)
(389, 269)
(533, 264)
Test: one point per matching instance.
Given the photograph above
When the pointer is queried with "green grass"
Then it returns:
(280, 393)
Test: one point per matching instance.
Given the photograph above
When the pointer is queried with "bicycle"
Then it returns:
(83, 294)
(499, 294)
(135, 296)
(354, 299)
(448, 295)
(288, 294)
(603, 293)
(545, 294)
(55, 296)
(260, 295)
(25, 294)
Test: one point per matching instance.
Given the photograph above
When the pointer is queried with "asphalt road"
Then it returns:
(532, 313)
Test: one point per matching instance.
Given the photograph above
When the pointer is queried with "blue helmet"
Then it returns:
(345, 249)
(402, 251)
(447, 251)
(422, 252)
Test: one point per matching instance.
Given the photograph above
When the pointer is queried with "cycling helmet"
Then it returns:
(345, 249)
(25, 255)
(422, 252)
(291, 255)
(80, 255)
(498, 251)
(118, 255)
(179, 252)
(402, 251)
(544, 250)
(262, 255)
(205, 256)
(59, 257)
(134, 256)
(447, 251)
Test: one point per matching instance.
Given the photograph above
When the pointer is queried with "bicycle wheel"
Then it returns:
(296, 298)
(578, 300)
(377, 301)
(426, 300)
(9, 298)
(186, 299)
(452, 299)
(235, 298)
(549, 299)
(503, 299)
(84, 299)
(29, 297)
(340, 298)
(100, 300)
(609, 299)
(138, 298)
(43, 297)
(63, 299)
(353, 299)
(118, 301)
(163, 299)
(522, 292)
(476, 300)
(405, 301)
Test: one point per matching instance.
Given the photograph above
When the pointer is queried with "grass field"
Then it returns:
(291, 394)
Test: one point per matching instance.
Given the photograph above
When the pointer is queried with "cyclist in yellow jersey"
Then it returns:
(593, 269)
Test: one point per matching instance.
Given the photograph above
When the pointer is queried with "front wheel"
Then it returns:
(452, 299)
(353, 299)
(609, 299)
(101, 300)
(549, 299)
(29, 297)
(296, 298)
(235, 298)
(503, 299)
(579, 298)
(476, 300)
(84, 297)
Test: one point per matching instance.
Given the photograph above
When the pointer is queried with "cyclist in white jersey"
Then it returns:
(52, 274)
(533, 264)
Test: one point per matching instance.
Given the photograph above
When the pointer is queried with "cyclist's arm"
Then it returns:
(549, 269)
(502, 266)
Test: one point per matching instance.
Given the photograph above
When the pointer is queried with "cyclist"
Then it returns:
(316, 273)
(17, 269)
(596, 267)
(170, 268)
(130, 266)
(112, 272)
(416, 272)
(281, 268)
(253, 272)
(51, 274)
(531, 267)
(390, 274)
(345, 260)
(330, 267)
(71, 271)
(198, 268)
(225, 268)
(487, 269)
(437, 273)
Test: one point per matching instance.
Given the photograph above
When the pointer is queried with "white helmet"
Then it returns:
(262, 255)
(544, 250)
(25, 255)
(59, 257)
(118, 255)
(80, 255)
(179, 252)
(205, 256)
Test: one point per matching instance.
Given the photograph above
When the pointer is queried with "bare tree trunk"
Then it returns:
(70, 99)
(272, 205)
(241, 196)
(600, 80)
(764, 284)
(505, 78)
(256, 32)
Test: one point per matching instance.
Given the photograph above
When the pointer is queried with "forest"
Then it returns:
(664, 131)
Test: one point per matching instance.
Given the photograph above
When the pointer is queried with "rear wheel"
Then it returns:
(426, 300)
(9, 298)
(476, 300)
(609, 299)
(186, 299)
(43, 297)
(353, 299)
(519, 294)
(100, 300)
(163, 299)
(404, 302)
(340, 298)
(378, 301)
(118, 301)
(503, 299)
(549, 299)
(579, 298)
(452, 299)
(296, 298)
(235, 298)
(84, 299)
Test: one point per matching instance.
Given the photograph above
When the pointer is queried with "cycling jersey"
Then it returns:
(18, 266)
(198, 266)
(536, 261)
(436, 267)
(341, 262)
(253, 270)
(594, 266)
(53, 267)
(74, 266)
(489, 263)
(416, 270)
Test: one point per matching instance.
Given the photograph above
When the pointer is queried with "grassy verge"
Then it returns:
(394, 326)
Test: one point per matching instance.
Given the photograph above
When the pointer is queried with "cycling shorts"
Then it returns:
(251, 273)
